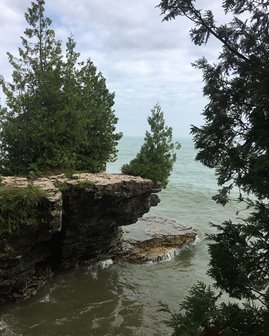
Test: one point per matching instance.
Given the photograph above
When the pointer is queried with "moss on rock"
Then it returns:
(21, 208)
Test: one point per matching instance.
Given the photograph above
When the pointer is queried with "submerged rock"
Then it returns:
(154, 239)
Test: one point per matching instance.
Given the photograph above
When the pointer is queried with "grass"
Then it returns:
(22, 209)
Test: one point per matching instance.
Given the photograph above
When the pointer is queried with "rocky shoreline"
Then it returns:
(77, 219)
(87, 217)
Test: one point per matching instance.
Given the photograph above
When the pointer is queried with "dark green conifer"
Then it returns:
(157, 155)
(235, 141)
(59, 112)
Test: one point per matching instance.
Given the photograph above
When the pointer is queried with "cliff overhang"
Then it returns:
(63, 221)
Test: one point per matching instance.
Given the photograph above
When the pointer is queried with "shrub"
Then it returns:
(157, 155)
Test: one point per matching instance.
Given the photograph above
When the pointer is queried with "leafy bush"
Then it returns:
(157, 155)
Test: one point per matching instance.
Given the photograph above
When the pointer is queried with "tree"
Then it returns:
(157, 155)
(99, 140)
(59, 112)
(32, 97)
(235, 141)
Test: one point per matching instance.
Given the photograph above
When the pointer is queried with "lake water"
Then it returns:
(123, 299)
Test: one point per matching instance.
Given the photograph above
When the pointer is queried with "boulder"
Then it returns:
(154, 239)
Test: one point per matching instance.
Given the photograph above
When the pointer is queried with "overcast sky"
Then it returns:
(143, 59)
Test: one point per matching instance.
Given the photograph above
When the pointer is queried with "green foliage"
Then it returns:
(59, 112)
(197, 311)
(62, 186)
(157, 155)
(85, 183)
(22, 209)
(235, 141)
(81, 184)
(239, 256)
(235, 135)
(201, 314)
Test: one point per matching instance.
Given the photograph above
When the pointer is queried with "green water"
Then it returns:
(123, 299)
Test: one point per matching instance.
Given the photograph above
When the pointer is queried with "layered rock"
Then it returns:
(154, 239)
(78, 219)
(95, 206)
(25, 252)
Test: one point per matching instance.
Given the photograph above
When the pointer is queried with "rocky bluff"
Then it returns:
(71, 220)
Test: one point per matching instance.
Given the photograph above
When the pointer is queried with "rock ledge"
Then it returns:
(154, 239)
(79, 220)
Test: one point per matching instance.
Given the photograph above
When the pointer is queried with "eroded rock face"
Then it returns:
(95, 209)
(154, 239)
(25, 255)
(79, 220)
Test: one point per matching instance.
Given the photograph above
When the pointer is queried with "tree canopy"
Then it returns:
(58, 112)
(235, 141)
(158, 153)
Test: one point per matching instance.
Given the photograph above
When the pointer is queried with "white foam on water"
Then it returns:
(168, 256)
(105, 263)
(101, 265)
(5, 329)
(197, 240)
(45, 299)
(3, 325)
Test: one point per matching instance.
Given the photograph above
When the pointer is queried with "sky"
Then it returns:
(143, 59)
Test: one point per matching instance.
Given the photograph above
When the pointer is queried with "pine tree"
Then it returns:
(55, 106)
(235, 141)
(157, 155)
(29, 124)
(98, 142)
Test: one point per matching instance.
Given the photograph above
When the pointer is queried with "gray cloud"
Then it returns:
(143, 59)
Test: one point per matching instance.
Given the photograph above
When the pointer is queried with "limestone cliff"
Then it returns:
(76, 219)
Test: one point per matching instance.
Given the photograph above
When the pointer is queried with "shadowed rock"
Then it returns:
(77, 219)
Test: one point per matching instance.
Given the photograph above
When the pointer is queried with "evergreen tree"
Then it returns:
(157, 155)
(29, 125)
(99, 140)
(55, 106)
(235, 141)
